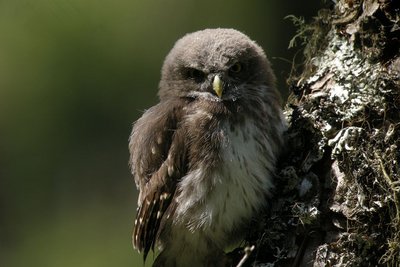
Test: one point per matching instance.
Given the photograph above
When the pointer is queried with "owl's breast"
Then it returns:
(231, 179)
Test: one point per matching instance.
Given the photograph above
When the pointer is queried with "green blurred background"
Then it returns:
(74, 75)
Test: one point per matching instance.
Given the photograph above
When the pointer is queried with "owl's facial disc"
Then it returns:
(215, 86)
(220, 82)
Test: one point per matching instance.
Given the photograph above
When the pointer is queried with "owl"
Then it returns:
(204, 157)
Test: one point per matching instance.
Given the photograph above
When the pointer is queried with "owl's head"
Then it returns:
(217, 64)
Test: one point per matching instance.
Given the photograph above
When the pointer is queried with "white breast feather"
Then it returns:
(239, 186)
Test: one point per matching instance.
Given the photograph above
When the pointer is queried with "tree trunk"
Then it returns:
(338, 189)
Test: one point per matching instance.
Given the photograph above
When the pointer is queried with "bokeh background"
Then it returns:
(74, 75)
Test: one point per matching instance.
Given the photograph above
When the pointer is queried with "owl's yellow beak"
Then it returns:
(217, 86)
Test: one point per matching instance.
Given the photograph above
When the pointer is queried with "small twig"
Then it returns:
(247, 252)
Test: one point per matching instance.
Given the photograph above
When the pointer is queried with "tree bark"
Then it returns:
(337, 198)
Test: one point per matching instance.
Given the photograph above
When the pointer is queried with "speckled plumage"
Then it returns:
(203, 163)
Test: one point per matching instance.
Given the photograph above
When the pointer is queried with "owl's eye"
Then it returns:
(236, 68)
(195, 74)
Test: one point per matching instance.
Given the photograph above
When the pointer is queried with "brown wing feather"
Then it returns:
(158, 162)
